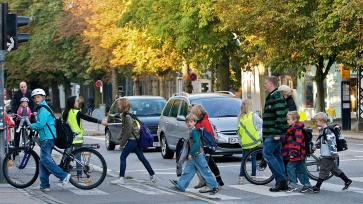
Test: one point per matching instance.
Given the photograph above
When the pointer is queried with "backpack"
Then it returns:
(64, 132)
(145, 139)
(339, 139)
(208, 142)
(308, 137)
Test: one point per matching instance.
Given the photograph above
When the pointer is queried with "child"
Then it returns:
(328, 151)
(196, 161)
(296, 167)
(24, 113)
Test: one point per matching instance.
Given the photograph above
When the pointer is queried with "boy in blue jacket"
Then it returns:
(46, 142)
(196, 161)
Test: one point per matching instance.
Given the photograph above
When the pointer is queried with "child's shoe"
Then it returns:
(315, 189)
(347, 184)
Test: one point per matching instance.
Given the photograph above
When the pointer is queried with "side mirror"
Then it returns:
(180, 118)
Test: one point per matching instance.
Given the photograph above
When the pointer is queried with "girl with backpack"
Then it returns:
(249, 128)
(129, 136)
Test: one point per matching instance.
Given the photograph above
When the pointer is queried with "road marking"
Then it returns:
(217, 196)
(355, 151)
(262, 190)
(359, 156)
(338, 188)
(81, 192)
(94, 137)
(344, 160)
(144, 189)
(358, 179)
(358, 144)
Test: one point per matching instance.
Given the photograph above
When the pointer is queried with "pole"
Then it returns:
(2, 109)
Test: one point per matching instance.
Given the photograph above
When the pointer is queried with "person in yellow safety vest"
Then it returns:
(249, 128)
(73, 116)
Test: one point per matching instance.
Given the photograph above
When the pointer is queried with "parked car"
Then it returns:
(223, 110)
(146, 108)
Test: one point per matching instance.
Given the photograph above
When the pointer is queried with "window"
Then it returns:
(147, 107)
(114, 108)
(175, 108)
(184, 109)
(168, 107)
(220, 107)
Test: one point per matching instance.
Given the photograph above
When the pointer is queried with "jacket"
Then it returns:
(181, 155)
(15, 101)
(194, 143)
(44, 117)
(274, 115)
(291, 104)
(27, 111)
(294, 147)
(129, 129)
(204, 122)
(328, 146)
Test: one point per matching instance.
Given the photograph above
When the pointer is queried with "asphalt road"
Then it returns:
(138, 189)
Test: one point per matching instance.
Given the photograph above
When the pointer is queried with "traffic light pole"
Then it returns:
(2, 110)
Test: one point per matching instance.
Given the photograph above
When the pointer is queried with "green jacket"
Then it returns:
(274, 115)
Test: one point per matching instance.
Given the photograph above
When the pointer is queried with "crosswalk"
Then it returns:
(145, 188)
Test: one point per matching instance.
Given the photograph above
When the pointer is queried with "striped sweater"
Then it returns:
(274, 115)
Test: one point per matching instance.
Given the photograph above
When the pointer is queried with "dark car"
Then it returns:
(146, 108)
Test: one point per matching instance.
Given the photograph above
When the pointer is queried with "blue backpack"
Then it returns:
(146, 139)
(208, 142)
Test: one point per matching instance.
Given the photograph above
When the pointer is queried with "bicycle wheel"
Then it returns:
(21, 167)
(88, 168)
(313, 166)
(263, 174)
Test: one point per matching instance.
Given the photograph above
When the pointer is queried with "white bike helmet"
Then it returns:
(38, 92)
(24, 99)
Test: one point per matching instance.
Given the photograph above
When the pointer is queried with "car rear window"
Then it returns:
(147, 107)
(220, 107)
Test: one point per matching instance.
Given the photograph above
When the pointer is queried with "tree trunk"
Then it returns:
(187, 83)
(162, 86)
(114, 83)
(223, 73)
(136, 86)
(55, 100)
(261, 77)
(67, 89)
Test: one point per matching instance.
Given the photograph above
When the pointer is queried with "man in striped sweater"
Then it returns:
(274, 127)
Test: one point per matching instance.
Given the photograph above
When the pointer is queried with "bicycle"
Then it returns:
(262, 173)
(87, 166)
(24, 132)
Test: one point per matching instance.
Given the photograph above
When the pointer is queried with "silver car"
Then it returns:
(146, 108)
(223, 110)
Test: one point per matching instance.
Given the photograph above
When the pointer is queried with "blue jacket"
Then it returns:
(44, 117)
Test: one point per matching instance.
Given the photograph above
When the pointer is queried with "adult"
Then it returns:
(73, 115)
(248, 128)
(129, 136)
(289, 95)
(23, 92)
(203, 121)
(274, 127)
(45, 125)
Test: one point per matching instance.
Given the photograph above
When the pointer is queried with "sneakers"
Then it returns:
(45, 190)
(119, 181)
(315, 189)
(306, 189)
(292, 190)
(214, 191)
(241, 180)
(204, 189)
(66, 179)
(153, 179)
(175, 184)
(347, 184)
(17, 130)
(199, 185)
(280, 187)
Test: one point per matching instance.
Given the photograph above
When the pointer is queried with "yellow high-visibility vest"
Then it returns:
(249, 136)
(72, 121)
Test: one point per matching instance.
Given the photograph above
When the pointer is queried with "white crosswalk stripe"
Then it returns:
(144, 189)
(218, 196)
(81, 192)
(262, 190)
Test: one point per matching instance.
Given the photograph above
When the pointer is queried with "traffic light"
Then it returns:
(12, 36)
(9, 36)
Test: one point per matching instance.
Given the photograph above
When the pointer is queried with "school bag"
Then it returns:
(181, 155)
(64, 131)
(308, 139)
(339, 139)
(209, 144)
(146, 139)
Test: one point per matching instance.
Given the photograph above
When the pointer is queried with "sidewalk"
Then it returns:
(11, 195)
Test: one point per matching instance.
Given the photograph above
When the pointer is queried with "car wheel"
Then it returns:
(165, 151)
(109, 145)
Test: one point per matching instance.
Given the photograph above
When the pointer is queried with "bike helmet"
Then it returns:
(24, 99)
(38, 92)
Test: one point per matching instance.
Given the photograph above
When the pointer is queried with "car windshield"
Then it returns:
(220, 107)
(147, 107)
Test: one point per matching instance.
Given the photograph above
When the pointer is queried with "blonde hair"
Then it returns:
(284, 89)
(191, 117)
(198, 111)
(245, 105)
(294, 115)
(321, 116)
(124, 105)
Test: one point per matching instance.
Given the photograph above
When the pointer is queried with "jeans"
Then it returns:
(272, 154)
(197, 164)
(131, 146)
(47, 164)
(297, 170)
(245, 152)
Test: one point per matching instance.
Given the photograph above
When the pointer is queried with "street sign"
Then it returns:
(193, 76)
(99, 83)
